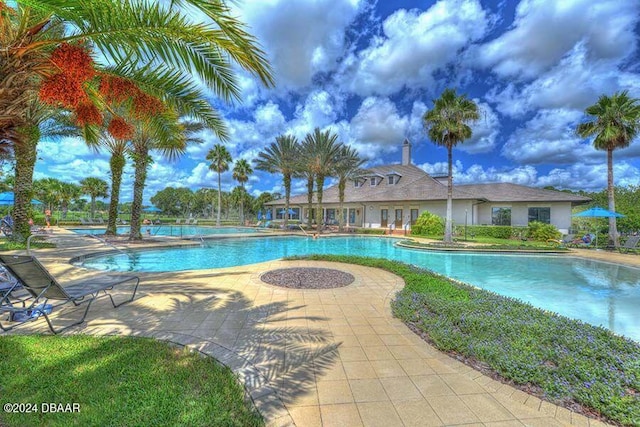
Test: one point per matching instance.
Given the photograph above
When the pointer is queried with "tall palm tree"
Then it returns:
(447, 124)
(241, 172)
(220, 159)
(94, 187)
(321, 151)
(146, 139)
(615, 122)
(347, 167)
(134, 37)
(281, 157)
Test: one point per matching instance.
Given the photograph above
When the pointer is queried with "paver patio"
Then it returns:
(333, 357)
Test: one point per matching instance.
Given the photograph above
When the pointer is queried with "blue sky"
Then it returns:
(369, 70)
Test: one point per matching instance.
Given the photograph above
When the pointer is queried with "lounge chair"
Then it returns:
(83, 221)
(178, 221)
(45, 293)
(566, 240)
(99, 221)
(6, 225)
(630, 245)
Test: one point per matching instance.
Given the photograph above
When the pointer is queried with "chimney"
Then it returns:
(406, 153)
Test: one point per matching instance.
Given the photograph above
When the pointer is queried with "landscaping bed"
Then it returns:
(480, 247)
(564, 361)
(117, 381)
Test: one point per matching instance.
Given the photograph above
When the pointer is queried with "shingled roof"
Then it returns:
(507, 192)
(417, 185)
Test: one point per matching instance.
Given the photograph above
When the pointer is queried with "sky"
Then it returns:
(368, 70)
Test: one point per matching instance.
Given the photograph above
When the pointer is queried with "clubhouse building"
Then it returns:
(393, 196)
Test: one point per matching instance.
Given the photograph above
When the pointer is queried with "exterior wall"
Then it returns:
(369, 215)
(560, 213)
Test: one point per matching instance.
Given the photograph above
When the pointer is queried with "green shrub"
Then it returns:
(494, 231)
(428, 224)
(541, 231)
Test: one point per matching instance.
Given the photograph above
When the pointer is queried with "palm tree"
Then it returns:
(447, 125)
(94, 187)
(46, 190)
(118, 149)
(241, 172)
(347, 167)
(133, 37)
(321, 151)
(67, 193)
(615, 122)
(220, 159)
(281, 157)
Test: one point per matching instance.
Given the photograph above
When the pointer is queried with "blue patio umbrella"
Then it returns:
(259, 215)
(598, 212)
(8, 198)
(268, 215)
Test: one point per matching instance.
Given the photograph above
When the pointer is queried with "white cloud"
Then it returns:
(301, 38)
(378, 122)
(550, 138)
(414, 46)
(63, 151)
(485, 131)
(477, 174)
(544, 31)
(575, 83)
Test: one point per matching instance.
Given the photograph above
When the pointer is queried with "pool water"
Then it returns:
(172, 230)
(596, 292)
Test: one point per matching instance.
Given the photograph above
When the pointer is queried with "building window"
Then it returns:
(373, 182)
(540, 214)
(501, 216)
(414, 216)
(358, 183)
(391, 179)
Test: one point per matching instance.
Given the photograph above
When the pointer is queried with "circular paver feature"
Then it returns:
(307, 278)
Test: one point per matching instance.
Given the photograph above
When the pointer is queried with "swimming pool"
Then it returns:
(596, 292)
(172, 230)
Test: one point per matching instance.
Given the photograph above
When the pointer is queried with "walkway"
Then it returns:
(332, 357)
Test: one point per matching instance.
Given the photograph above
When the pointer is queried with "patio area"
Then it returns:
(312, 357)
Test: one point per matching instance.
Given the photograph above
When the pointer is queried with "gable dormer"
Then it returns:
(359, 182)
(393, 178)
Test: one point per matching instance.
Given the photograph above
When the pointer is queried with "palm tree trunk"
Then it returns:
(93, 206)
(25, 154)
(116, 164)
(219, 200)
(341, 220)
(287, 196)
(309, 200)
(613, 228)
(140, 176)
(319, 185)
(242, 207)
(449, 220)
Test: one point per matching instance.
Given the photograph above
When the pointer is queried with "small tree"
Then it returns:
(94, 187)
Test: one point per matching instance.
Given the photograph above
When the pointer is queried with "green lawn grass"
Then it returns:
(118, 381)
(10, 245)
(567, 360)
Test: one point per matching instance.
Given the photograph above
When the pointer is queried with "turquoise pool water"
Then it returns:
(173, 230)
(595, 292)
